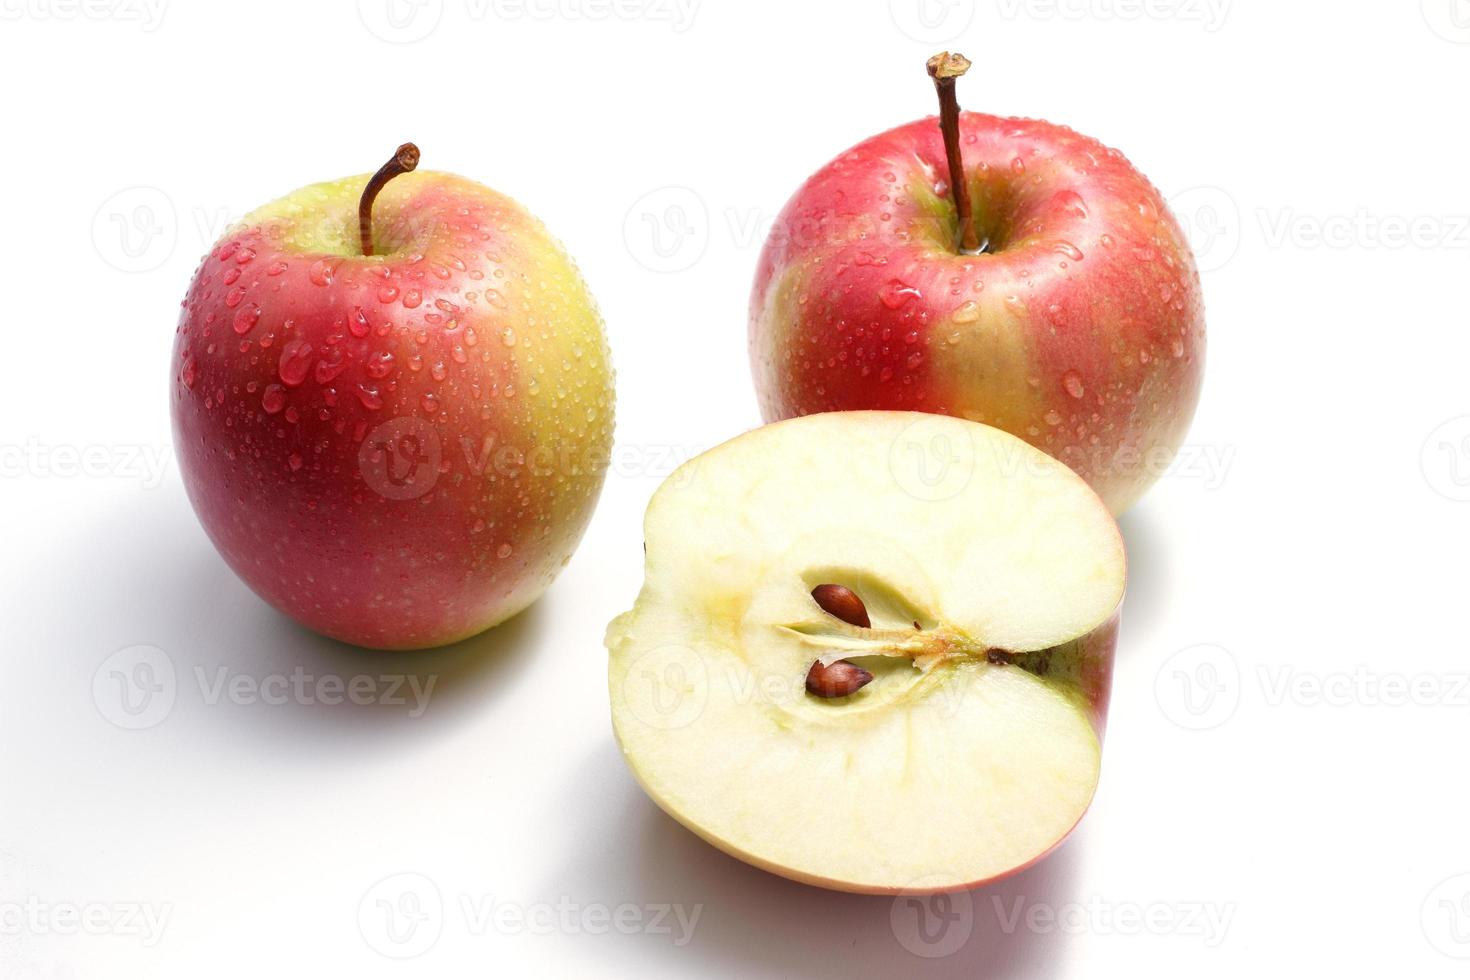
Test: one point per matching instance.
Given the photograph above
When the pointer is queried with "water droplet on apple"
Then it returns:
(412, 298)
(321, 272)
(966, 312)
(233, 297)
(430, 402)
(1072, 381)
(1069, 250)
(387, 294)
(503, 551)
(895, 293)
(508, 337)
(188, 374)
(294, 461)
(329, 366)
(369, 396)
(1071, 202)
(273, 399)
(379, 364)
(295, 362)
(246, 318)
(357, 323)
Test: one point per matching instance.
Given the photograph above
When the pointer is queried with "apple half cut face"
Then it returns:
(975, 579)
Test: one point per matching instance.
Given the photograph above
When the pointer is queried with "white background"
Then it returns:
(1271, 797)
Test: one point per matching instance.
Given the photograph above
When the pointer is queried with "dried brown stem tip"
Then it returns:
(836, 680)
(404, 159)
(842, 602)
(944, 68)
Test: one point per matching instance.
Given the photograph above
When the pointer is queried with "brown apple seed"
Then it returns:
(836, 680)
(842, 602)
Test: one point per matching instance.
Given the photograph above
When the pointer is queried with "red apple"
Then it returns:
(1074, 321)
(393, 429)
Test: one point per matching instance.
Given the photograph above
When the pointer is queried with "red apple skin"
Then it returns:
(396, 451)
(1082, 332)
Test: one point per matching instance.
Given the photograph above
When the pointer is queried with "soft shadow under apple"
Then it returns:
(1148, 575)
(155, 579)
(754, 923)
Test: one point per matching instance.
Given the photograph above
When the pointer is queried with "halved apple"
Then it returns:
(973, 579)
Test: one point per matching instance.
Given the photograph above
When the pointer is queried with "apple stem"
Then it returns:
(404, 159)
(944, 68)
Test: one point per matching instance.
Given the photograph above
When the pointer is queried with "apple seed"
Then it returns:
(837, 680)
(842, 602)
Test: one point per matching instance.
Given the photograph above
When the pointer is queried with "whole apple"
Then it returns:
(1073, 319)
(393, 419)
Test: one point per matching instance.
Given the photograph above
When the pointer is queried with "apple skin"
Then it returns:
(1082, 332)
(400, 450)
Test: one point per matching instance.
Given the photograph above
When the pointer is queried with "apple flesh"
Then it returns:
(396, 450)
(1079, 328)
(992, 609)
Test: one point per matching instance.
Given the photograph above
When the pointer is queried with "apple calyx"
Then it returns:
(404, 160)
(944, 68)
